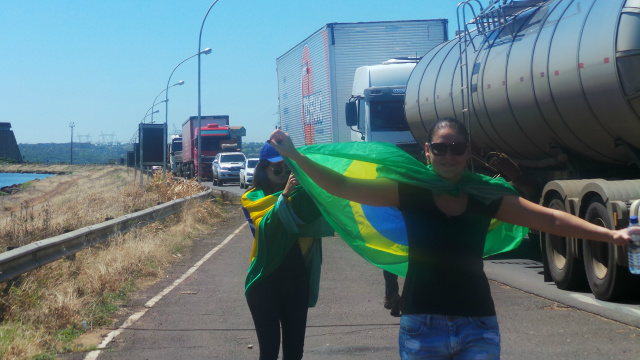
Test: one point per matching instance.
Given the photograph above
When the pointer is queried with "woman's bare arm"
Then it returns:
(519, 211)
(374, 192)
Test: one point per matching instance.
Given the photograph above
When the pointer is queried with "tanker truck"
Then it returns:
(550, 92)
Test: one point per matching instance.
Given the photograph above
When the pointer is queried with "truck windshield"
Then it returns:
(176, 146)
(387, 116)
(252, 163)
(232, 158)
(210, 144)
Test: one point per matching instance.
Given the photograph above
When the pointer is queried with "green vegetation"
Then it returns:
(87, 153)
(83, 153)
(7, 161)
(252, 149)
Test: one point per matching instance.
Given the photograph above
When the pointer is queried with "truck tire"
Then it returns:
(607, 280)
(220, 182)
(567, 270)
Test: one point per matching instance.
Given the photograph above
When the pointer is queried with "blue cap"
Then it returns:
(270, 153)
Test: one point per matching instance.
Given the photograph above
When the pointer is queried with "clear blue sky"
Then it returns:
(100, 64)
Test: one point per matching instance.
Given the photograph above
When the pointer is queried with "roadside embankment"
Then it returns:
(49, 307)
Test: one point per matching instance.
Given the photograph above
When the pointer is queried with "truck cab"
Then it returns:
(375, 111)
(175, 154)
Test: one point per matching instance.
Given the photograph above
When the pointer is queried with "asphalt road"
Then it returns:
(522, 269)
(205, 316)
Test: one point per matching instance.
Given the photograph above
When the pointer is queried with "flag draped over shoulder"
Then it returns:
(378, 233)
(277, 224)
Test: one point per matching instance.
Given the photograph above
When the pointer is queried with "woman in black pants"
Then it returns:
(282, 282)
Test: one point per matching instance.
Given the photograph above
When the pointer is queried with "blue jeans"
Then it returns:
(449, 337)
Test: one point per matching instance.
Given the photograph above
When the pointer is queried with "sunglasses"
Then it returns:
(440, 149)
(279, 171)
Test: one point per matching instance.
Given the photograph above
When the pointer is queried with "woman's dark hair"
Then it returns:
(454, 124)
(261, 179)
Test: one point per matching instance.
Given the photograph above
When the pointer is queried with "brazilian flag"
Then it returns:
(378, 233)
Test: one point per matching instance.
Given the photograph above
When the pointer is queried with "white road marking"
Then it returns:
(621, 308)
(93, 355)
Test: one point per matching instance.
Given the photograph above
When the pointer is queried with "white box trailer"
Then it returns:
(315, 77)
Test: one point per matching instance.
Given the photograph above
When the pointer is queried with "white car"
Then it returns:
(246, 173)
(226, 167)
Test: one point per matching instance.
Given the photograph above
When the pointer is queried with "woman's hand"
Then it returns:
(623, 236)
(282, 142)
(291, 184)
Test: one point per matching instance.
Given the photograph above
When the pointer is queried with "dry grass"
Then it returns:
(54, 304)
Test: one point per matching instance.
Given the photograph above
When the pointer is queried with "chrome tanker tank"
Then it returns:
(553, 85)
(562, 77)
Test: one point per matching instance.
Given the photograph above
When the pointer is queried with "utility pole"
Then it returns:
(71, 125)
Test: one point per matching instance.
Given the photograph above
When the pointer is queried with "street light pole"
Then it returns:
(147, 114)
(199, 107)
(71, 125)
(206, 51)
(165, 98)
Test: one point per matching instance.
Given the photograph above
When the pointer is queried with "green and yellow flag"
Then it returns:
(378, 233)
(277, 224)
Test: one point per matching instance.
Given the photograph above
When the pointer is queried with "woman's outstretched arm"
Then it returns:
(376, 192)
(519, 211)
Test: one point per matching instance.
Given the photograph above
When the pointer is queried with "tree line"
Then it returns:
(88, 153)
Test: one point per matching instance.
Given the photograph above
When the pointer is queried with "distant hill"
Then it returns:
(87, 153)
(83, 153)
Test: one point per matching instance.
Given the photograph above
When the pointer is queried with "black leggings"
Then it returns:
(280, 300)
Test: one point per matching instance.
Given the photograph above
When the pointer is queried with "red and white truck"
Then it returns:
(216, 135)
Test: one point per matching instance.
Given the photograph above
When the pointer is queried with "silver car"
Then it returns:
(226, 167)
(246, 173)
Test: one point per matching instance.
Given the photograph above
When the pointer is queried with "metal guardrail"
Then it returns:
(25, 258)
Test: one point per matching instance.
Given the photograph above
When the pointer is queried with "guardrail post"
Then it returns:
(13, 282)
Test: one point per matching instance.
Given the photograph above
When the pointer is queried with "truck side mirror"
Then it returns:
(351, 112)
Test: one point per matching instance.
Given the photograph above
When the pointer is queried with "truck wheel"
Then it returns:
(220, 182)
(566, 269)
(608, 281)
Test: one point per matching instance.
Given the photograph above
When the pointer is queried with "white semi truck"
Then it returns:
(375, 111)
(175, 154)
(316, 78)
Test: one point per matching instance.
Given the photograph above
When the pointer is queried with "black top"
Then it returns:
(445, 274)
